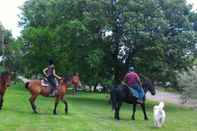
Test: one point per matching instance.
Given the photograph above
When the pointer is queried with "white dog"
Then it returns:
(159, 115)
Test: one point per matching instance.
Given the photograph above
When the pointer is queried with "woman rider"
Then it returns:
(50, 74)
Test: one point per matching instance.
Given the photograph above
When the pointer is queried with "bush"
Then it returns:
(187, 81)
(2, 69)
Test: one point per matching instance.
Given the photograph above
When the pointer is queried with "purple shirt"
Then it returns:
(131, 78)
(50, 71)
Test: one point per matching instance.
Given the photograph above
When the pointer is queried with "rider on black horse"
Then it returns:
(133, 81)
(51, 76)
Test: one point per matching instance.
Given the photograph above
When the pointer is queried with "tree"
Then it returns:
(5, 43)
(155, 36)
(187, 83)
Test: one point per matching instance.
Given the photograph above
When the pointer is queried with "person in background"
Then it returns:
(76, 82)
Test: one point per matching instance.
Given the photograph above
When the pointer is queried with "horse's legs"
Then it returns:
(66, 105)
(75, 90)
(117, 109)
(134, 109)
(32, 100)
(1, 101)
(144, 111)
(56, 103)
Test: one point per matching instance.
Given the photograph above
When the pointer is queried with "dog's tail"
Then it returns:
(161, 105)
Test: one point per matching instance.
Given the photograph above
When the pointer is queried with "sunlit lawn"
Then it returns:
(87, 112)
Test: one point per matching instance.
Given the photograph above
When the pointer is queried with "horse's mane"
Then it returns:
(67, 77)
(3, 76)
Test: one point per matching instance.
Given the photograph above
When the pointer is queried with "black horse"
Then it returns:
(121, 93)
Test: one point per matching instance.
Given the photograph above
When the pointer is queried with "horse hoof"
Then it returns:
(35, 112)
(146, 119)
(54, 113)
(117, 119)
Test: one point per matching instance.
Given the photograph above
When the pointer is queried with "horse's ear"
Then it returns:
(67, 78)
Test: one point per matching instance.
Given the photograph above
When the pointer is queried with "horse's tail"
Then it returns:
(113, 97)
(23, 79)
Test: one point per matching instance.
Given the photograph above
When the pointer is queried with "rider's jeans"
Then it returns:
(137, 91)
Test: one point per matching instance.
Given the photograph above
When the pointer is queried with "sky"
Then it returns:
(9, 11)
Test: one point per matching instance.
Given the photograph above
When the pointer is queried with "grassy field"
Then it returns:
(87, 112)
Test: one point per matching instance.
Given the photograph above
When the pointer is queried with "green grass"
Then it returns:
(87, 112)
(168, 89)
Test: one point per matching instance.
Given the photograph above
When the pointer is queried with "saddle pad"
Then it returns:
(44, 83)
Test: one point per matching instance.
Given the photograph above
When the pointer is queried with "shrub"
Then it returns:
(187, 81)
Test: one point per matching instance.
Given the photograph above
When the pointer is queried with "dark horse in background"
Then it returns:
(5, 79)
(121, 93)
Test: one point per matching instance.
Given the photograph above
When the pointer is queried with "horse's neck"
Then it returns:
(2, 85)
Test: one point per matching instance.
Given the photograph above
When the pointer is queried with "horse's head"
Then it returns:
(6, 78)
(149, 86)
(66, 80)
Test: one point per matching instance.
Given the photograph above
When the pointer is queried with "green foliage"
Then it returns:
(6, 51)
(187, 82)
(2, 69)
(157, 37)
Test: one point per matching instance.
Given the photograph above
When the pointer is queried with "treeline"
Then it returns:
(100, 39)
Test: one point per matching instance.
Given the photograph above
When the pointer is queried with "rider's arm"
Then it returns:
(45, 71)
(124, 82)
(139, 81)
(58, 77)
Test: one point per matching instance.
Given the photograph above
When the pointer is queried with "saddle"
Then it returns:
(45, 83)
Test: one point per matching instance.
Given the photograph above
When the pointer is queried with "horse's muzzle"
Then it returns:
(153, 93)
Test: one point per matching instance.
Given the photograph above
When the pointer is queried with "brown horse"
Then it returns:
(36, 88)
(5, 79)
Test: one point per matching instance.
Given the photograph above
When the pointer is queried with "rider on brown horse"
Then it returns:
(51, 76)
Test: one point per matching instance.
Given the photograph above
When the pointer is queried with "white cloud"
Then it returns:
(9, 11)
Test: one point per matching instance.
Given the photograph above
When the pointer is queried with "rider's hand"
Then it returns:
(123, 83)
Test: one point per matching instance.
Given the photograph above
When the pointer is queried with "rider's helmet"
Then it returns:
(51, 62)
(131, 68)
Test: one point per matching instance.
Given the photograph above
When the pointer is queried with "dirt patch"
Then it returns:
(171, 98)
